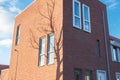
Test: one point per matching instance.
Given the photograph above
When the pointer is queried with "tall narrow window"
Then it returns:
(98, 48)
(77, 74)
(114, 53)
(18, 35)
(118, 54)
(41, 51)
(117, 76)
(51, 48)
(86, 18)
(88, 75)
(76, 14)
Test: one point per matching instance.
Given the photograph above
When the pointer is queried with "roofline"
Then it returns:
(4, 65)
(102, 2)
(5, 69)
(25, 8)
(114, 38)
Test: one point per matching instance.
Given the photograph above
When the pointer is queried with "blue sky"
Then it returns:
(10, 8)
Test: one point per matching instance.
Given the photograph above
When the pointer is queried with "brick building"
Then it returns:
(115, 58)
(62, 40)
(3, 67)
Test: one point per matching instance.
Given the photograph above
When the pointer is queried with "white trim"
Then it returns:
(115, 43)
(83, 5)
(25, 8)
(117, 54)
(101, 71)
(79, 27)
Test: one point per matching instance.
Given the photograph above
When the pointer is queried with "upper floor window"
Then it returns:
(98, 48)
(86, 18)
(51, 48)
(41, 51)
(18, 35)
(115, 52)
(76, 14)
(117, 76)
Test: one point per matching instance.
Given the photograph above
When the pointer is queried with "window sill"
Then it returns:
(79, 28)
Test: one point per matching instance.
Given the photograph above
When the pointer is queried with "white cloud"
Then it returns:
(14, 9)
(13, 2)
(2, 1)
(6, 42)
(112, 3)
(7, 17)
(6, 23)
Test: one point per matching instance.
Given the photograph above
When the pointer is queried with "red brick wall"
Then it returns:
(80, 50)
(24, 60)
(114, 66)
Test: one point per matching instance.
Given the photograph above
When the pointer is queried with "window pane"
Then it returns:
(86, 18)
(51, 49)
(42, 51)
(88, 75)
(86, 13)
(18, 35)
(98, 48)
(77, 74)
(77, 21)
(117, 76)
(41, 60)
(76, 9)
(51, 43)
(119, 55)
(114, 53)
(101, 75)
(51, 58)
(42, 46)
(76, 14)
(87, 26)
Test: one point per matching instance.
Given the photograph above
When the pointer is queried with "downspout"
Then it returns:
(16, 64)
(106, 46)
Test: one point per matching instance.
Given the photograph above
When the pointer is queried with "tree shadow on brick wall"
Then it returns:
(57, 30)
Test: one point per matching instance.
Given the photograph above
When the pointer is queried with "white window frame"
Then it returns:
(18, 35)
(50, 55)
(113, 54)
(117, 55)
(83, 5)
(117, 73)
(42, 43)
(79, 27)
(101, 71)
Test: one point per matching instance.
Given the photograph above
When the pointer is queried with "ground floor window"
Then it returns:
(77, 74)
(117, 76)
(88, 75)
(101, 75)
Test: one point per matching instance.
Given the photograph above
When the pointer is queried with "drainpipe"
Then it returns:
(106, 45)
(16, 64)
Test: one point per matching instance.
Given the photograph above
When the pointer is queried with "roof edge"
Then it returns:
(25, 8)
